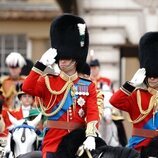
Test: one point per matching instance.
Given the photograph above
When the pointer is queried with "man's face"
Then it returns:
(14, 72)
(95, 71)
(27, 99)
(153, 82)
(67, 64)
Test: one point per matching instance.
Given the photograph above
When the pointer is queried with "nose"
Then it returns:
(62, 60)
(152, 78)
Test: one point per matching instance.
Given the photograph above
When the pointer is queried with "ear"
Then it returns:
(35, 121)
(7, 148)
(12, 119)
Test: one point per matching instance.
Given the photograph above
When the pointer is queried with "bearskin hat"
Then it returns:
(18, 88)
(148, 53)
(69, 35)
(85, 69)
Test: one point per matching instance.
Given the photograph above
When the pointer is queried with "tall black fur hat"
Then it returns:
(18, 88)
(148, 53)
(69, 35)
(85, 69)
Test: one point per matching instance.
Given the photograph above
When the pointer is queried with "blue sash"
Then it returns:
(68, 101)
(134, 140)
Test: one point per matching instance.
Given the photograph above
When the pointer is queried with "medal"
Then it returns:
(81, 112)
(80, 101)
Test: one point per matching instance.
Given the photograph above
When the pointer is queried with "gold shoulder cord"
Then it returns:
(66, 87)
(56, 92)
(143, 113)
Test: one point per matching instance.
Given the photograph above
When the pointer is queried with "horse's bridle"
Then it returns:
(24, 126)
(23, 137)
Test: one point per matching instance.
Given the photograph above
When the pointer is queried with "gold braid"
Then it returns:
(56, 92)
(143, 113)
(151, 104)
(66, 87)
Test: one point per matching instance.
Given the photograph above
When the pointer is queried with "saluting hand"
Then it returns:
(48, 57)
(138, 77)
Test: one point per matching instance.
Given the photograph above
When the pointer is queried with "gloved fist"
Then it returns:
(48, 57)
(89, 143)
(138, 77)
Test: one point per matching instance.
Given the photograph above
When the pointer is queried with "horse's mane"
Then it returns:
(151, 149)
(117, 152)
(72, 141)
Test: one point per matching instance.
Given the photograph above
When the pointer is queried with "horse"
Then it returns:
(151, 149)
(111, 127)
(71, 146)
(22, 138)
(24, 135)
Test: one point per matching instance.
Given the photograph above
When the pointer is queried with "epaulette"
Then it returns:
(3, 78)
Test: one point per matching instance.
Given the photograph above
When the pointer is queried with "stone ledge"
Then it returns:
(27, 15)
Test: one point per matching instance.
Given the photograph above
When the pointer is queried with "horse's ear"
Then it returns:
(35, 121)
(12, 119)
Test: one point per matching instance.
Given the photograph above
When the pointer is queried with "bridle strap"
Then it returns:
(23, 137)
(24, 126)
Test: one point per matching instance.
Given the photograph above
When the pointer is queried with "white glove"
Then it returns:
(48, 57)
(138, 77)
(89, 143)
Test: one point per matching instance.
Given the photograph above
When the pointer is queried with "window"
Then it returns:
(11, 43)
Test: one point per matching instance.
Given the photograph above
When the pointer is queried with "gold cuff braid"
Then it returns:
(92, 129)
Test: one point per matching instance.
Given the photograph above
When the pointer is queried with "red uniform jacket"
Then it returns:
(85, 108)
(126, 99)
(17, 114)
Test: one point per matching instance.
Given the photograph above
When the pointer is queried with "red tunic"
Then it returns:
(17, 114)
(128, 102)
(101, 81)
(35, 85)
